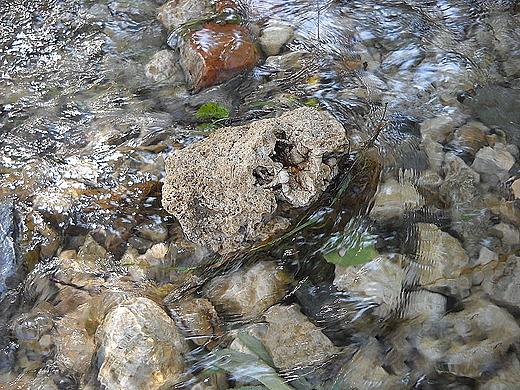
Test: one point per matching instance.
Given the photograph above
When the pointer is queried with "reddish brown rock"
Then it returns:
(216, 53)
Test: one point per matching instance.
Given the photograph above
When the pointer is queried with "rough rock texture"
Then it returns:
(365, 371)
(225, 187)
(494, 161)
(247, 293)
(139, 347)
(216, 53)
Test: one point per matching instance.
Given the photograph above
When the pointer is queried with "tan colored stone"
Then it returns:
(223, 189)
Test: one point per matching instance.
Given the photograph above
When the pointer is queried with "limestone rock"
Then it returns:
(378, 281)
(177, 12)
(507, 377)
(197, 318)
(393, 199)
(440, 260)
(467, 140)
(365, 371)
(274, 36)
(162, 66)
(247, 293)
(216, 53)
(437, 128)
(225, 187)
(473, 340)
(460, 181)
(140, 347)
(503, 283)
(494, 161)
(292, 340)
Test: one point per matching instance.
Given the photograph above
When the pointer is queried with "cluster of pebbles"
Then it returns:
(437, 307)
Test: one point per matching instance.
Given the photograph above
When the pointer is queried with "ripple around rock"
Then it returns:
(224, 188)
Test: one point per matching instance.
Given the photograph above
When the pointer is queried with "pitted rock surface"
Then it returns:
(224, 189)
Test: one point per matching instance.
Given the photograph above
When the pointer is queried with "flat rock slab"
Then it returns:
(224, 189)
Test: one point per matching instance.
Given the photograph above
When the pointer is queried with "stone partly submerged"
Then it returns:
(225, 190)
(8, 261)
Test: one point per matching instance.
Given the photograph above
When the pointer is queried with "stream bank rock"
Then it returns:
(225, 189)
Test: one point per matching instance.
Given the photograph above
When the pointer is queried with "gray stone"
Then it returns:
(177, 12)
(502, 283)
(197, 318)
(440, 260)
(248, 292)
(460, 181)
(224, 188)
(162, 66)
(274, 36)
(505, 378)
(507, 233)
(291, 339)
(365, 371)
(155, 231)
(139, 347)
(377, 282)
(8, 261)
(393, 199)
(473, 340)
(437, 128)
(494, 161)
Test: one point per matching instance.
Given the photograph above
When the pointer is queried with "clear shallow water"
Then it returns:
(84, 130)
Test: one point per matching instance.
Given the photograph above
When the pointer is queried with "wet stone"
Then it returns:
(216, 53)
(197, 318)
(393, 199)
(502, 283)
(474, 340)
(437, 128)
(177, 12)
(247, 293)
(291, 339)
(274, 36)
(440, 260)
(496, 161)
(163, 67)
(377, 282)
(139, 347)
(223, 189)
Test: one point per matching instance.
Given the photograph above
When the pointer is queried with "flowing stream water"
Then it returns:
(84, 134)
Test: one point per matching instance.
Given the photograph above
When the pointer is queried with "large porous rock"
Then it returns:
(291, 339)
(216, 53)
(247, 293)
(140, 347)
(224, 188)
